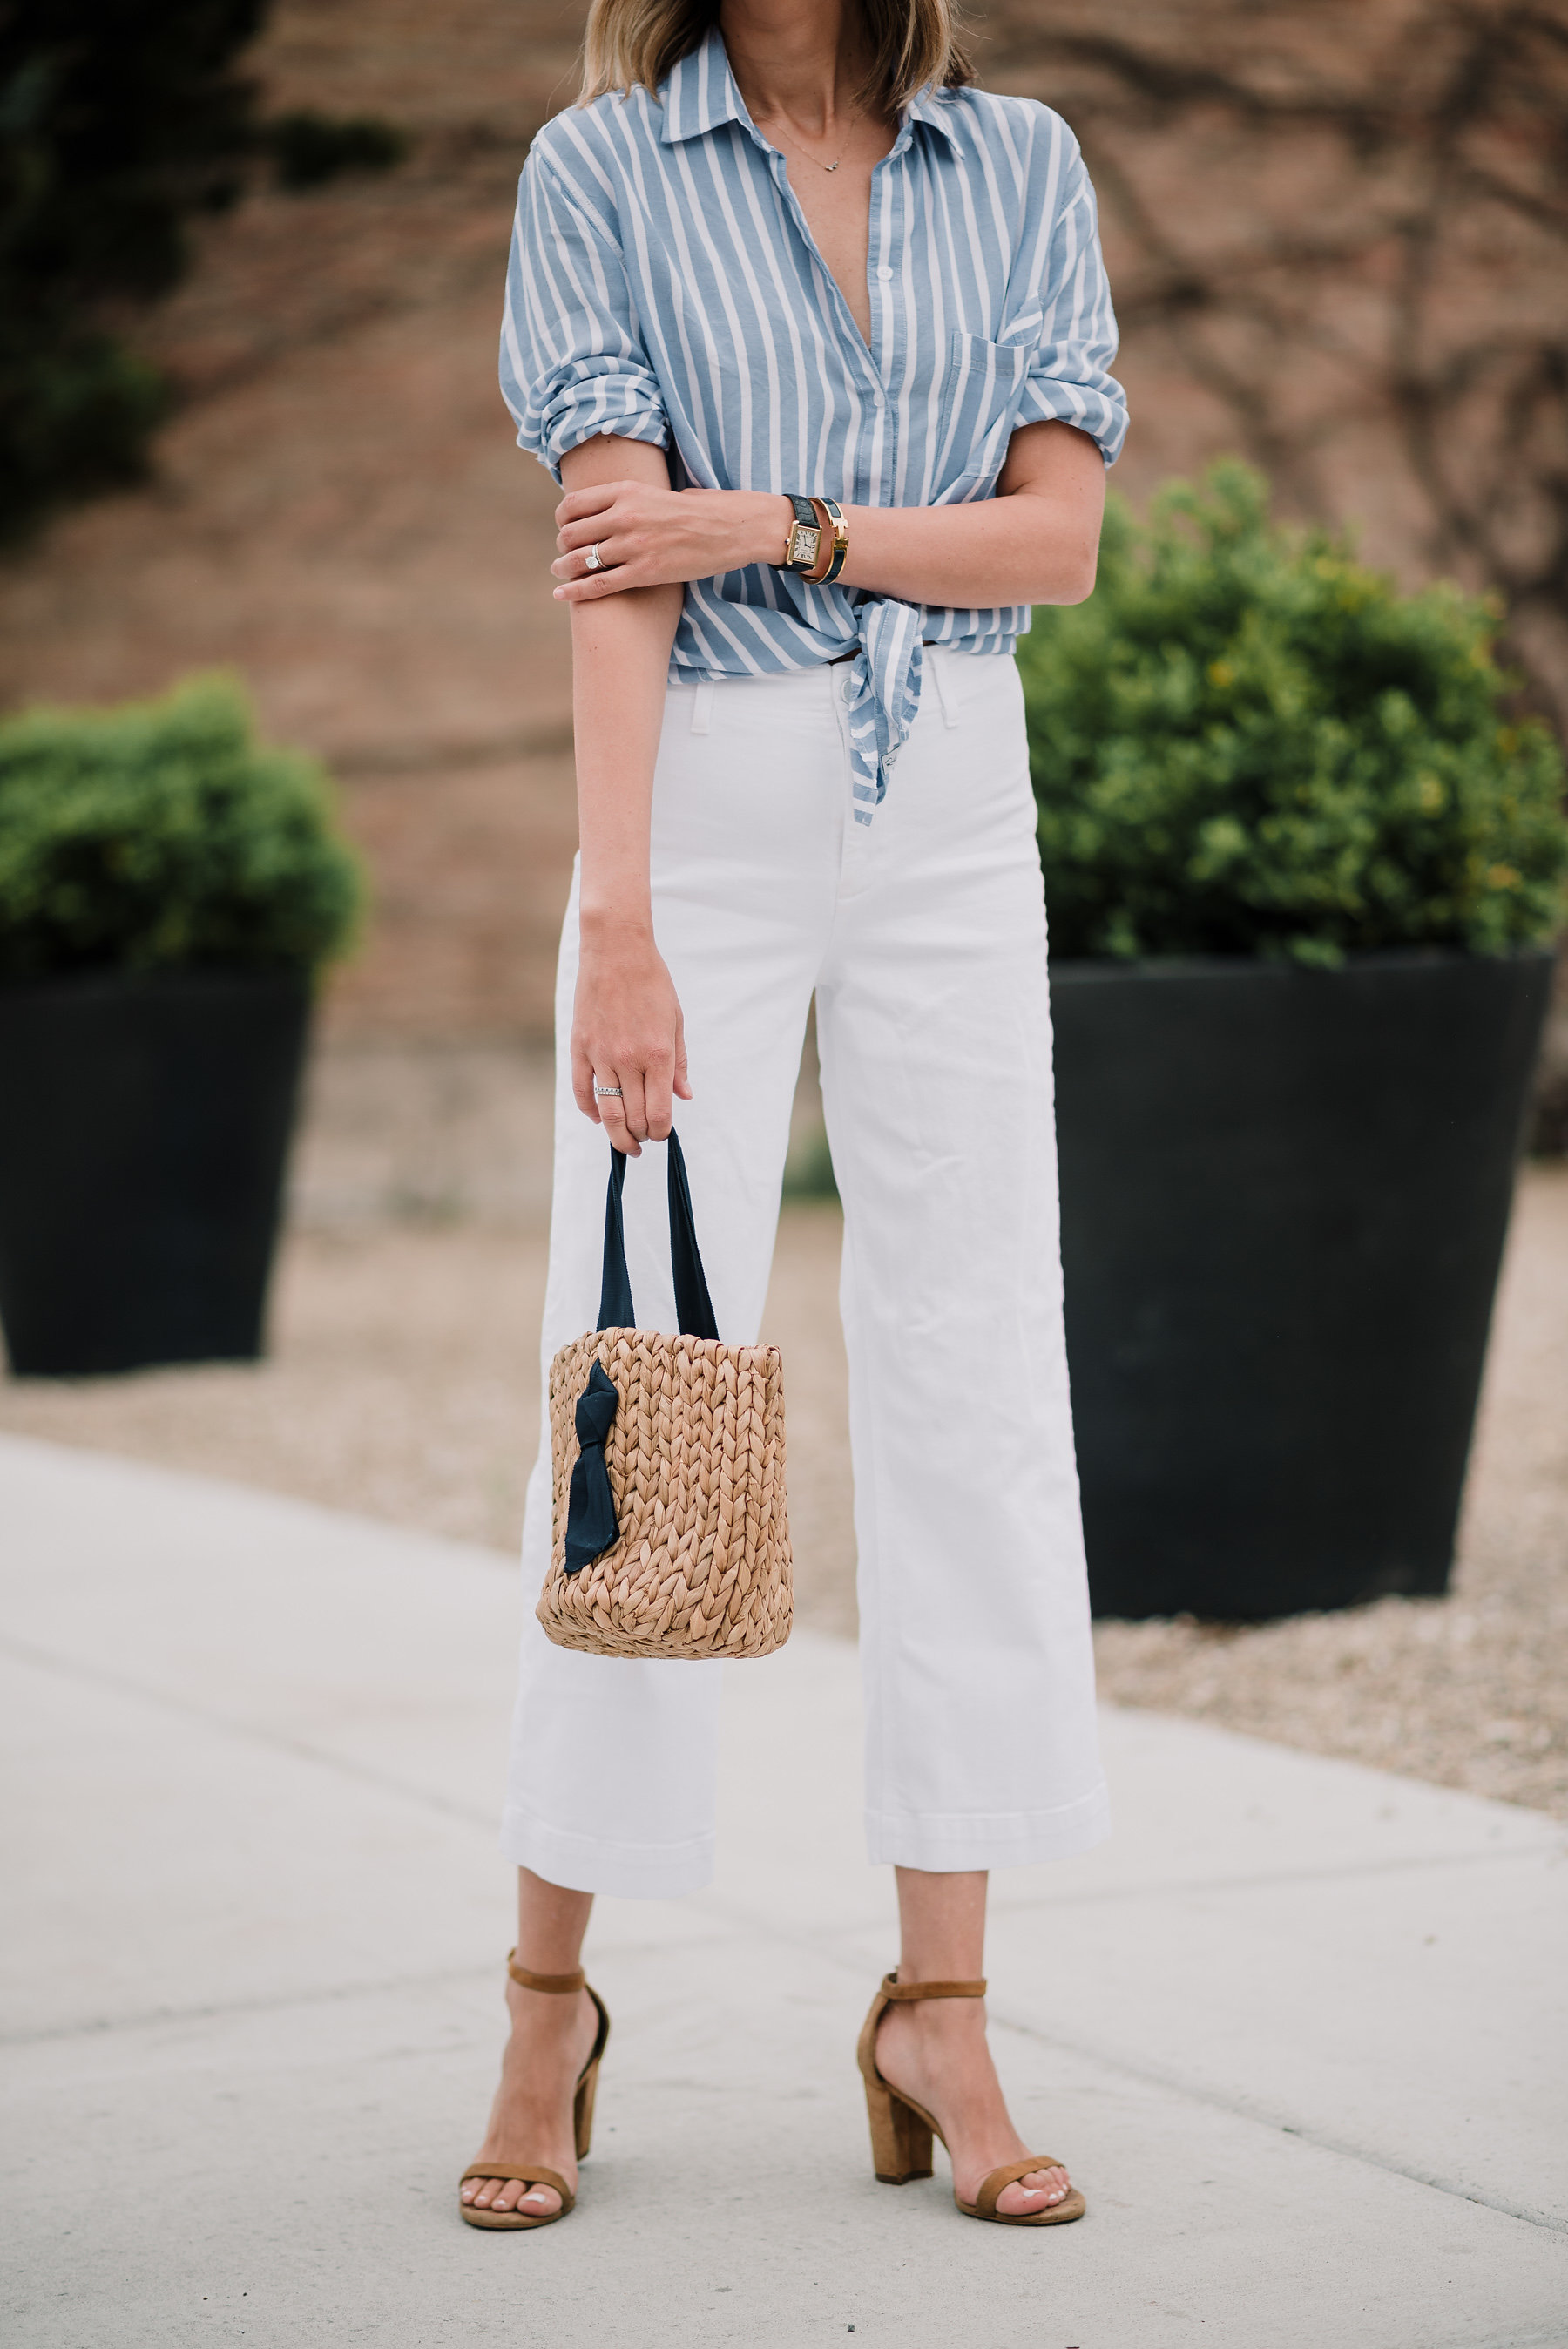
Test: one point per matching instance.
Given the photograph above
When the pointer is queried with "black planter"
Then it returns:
(144, 1127)
(1285, 1194)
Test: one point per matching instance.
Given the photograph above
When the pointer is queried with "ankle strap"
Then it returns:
(894, 1989)
(559, 1984)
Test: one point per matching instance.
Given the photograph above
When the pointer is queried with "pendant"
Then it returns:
(830, 167)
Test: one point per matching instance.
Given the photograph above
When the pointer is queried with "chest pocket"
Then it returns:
(980, 397)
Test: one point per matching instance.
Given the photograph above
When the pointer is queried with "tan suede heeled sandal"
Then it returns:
(901, 2130)
(517, 2165)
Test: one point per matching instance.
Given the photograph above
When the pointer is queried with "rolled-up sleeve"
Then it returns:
(1070, 377)
(572, 365)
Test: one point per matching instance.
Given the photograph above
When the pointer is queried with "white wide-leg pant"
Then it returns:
(923, 939)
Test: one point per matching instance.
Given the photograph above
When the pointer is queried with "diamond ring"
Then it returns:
(594, 559)
(610, 1092)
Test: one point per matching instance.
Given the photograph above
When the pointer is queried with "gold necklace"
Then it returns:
(813, 159)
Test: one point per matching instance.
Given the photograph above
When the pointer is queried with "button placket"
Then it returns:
(838, 307)
(884, 324)
(894, 323)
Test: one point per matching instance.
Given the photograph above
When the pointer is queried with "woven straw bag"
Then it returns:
(670, 1533)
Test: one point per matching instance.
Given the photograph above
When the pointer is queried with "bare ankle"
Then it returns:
(946, 2018)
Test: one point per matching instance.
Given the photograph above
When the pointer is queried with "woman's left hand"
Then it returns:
(650, 537)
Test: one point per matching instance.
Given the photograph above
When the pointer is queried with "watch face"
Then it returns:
(803, 545)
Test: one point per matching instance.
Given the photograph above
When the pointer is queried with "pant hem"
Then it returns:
(946, 1842)
(586, 1864)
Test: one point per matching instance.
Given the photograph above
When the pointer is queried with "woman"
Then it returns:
(782, 252)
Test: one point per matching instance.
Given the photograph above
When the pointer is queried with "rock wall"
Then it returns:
(340, 513)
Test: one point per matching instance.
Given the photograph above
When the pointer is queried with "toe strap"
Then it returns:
(533, 2174)
(996, 2181)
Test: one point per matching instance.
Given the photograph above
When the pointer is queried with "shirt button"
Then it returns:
(884, 272)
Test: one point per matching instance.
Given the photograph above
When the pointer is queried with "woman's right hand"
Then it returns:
(627, 1030)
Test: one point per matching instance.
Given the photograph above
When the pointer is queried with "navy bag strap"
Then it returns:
(694, 1307)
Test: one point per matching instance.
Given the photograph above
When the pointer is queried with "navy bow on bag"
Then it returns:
(591, 1523)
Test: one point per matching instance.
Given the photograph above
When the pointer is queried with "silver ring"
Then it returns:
(611, 1092)
(594, 559)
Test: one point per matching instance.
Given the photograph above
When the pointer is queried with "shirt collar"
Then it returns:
(702, 93)
(931, 106)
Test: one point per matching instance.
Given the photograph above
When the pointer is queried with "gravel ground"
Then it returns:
(403, 1383)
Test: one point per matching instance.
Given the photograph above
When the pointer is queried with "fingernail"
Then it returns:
(559, 595)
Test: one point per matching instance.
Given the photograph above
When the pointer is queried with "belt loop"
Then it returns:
(936, 661)
(702, 707)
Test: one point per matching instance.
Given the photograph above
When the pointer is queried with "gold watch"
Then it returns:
(803, 547)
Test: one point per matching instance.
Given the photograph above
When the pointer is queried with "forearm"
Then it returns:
(1025, 549)
(1034, 542)
(1028, 547)
(620, 659)
(628, 1048)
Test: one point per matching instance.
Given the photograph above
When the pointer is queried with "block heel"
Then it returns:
(901, 2139)
(582, 2110)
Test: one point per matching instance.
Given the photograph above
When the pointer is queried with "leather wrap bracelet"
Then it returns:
(836, 531)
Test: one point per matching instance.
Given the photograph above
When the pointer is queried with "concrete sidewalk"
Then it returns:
(1299, 2027)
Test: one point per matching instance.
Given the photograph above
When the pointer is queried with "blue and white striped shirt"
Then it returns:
(663, 285)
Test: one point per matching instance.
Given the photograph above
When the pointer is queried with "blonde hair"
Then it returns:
(911, 44)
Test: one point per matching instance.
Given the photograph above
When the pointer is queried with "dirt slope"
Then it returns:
(340, 511)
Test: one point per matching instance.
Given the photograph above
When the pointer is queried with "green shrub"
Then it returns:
(309, 148)
(161, 832)
(120, 120)
(78, 411)
(1245, 743)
